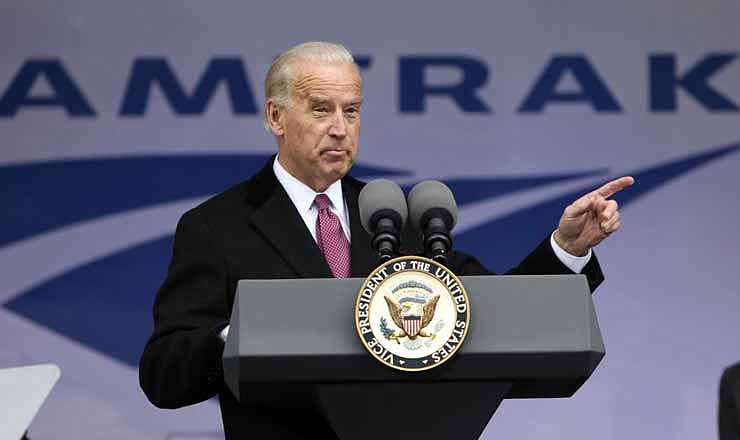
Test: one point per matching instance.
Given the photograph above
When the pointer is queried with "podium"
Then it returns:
(23, 390)
(529, 337)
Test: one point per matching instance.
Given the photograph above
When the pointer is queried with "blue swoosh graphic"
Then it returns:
(109, 309)
(502, 243)
(105, 305)
(42, 196)
(468, 190)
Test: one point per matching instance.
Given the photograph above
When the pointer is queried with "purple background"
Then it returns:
(90, 203)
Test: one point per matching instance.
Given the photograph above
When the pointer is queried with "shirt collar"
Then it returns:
(302, 195)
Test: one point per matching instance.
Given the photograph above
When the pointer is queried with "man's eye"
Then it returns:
(320, 109)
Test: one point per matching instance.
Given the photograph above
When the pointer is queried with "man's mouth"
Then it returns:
(334, 151)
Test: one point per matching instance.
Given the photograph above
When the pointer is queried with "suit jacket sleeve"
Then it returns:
(181, 363)
(729, 404)
(541, 261)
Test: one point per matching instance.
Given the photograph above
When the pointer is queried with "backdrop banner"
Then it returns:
(117, 117)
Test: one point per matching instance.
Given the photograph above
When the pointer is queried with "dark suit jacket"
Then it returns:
(253, 231)
(729, 404)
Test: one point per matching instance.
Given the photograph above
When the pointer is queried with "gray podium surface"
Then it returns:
(529, 336)
(22, 392)
(515, 322)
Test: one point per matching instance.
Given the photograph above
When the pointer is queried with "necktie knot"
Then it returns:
(322, 201)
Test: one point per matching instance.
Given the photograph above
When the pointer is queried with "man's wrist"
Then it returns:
(568, 247)
(572, 262)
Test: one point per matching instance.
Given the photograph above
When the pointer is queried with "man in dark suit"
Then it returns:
(274, 225)
(729, 404)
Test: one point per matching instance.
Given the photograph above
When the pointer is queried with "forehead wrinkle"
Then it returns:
(323, 99)
(314, 86)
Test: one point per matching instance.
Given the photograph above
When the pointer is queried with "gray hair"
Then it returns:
(279, 78)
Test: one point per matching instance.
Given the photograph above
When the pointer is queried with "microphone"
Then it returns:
(434, 212)
(383, 211)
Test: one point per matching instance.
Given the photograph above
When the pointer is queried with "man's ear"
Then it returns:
(275, 118)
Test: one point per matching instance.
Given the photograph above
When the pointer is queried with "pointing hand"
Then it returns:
(590, 219)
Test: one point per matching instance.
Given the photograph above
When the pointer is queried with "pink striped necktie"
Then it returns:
(331, 239)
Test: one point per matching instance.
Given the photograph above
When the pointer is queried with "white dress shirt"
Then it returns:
(576, 264)
(303, 196)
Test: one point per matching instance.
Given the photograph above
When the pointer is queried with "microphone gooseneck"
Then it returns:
(434, 212)
(383, 212)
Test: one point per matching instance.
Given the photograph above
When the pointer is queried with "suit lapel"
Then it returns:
(281, 225)
(361, 251)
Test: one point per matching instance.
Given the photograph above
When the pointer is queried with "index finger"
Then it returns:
(616, 185)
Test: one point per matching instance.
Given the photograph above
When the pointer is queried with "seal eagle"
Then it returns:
(412, 317)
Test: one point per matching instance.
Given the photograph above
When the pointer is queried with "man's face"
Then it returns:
(319, 131)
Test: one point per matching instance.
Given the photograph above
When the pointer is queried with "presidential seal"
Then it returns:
(412, 313)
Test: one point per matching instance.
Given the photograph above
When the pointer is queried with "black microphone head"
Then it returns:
(432, 197)
(382, 198)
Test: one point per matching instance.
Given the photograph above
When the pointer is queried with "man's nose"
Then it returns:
(338, 127)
